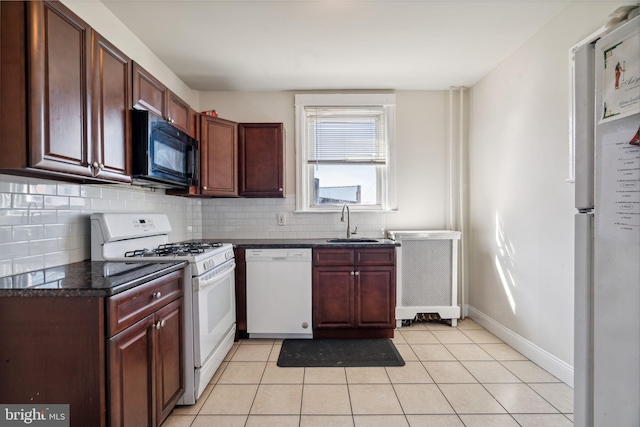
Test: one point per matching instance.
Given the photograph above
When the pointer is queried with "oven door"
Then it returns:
(214, 309)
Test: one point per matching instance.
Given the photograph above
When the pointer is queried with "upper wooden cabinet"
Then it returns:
(65, 96)
(110, 105)
(261, 157)
(150, 94)
(218, 157)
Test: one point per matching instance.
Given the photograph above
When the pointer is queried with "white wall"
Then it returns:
(521, 208)
(421, 181)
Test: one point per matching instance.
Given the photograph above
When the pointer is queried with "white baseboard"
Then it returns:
(559, 368)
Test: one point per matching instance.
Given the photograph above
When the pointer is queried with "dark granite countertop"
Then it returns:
(308, 243)
(86, 278)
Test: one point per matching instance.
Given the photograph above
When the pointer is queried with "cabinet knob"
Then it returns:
(279, 189)
(157, 295)
(162, 322)
(100, 165)
(204, 188)
(352, 273)
(94, 164)
(157, 325)
(357, 273)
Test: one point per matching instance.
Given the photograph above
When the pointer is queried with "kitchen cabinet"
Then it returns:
(111, 119)
(261, 155)
(353, 292)
(116, 360)
(218, 157)
(151, 95)
(218, 160)
(65, 96)
(146, 376)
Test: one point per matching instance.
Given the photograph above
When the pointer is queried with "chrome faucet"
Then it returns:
(349, 232)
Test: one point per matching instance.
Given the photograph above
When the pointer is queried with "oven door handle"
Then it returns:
(220, 273)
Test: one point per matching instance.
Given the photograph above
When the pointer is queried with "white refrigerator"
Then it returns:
(607, 230)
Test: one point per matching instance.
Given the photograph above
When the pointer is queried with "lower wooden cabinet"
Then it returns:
(354, 292)
(116, 361)
(145, 368)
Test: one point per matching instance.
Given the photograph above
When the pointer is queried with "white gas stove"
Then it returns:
(209, 291)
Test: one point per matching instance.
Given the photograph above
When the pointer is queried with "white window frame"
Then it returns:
(304, 186)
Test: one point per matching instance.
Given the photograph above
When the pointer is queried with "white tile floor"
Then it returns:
(453, 377)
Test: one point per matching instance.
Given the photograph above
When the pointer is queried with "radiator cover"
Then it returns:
(427, 274)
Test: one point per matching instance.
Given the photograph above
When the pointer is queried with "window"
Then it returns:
(344, 146)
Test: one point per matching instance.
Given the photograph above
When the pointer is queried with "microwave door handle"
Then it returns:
(193, 165)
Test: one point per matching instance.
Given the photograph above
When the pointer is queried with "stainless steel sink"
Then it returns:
(352, 241)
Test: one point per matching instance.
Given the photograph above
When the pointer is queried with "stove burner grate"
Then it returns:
(169, 249)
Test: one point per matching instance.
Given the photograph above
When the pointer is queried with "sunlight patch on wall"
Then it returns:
(504, 261)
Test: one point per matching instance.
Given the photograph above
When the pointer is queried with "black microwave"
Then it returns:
(163, 155)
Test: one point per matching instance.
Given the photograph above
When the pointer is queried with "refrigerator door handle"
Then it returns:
(583, 320)
(583, 124)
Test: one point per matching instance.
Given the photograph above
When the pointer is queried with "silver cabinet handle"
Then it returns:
(160, 324)
(157, 295)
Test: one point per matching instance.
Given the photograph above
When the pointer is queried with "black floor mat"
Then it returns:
(339, 352)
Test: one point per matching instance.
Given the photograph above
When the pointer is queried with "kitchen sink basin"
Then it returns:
(352, 241)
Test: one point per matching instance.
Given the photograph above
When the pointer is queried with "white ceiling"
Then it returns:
(268, 45)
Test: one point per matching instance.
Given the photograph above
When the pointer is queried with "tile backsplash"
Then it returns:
(46, 223)
(258, 219)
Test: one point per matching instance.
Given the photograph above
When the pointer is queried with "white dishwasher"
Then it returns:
(279, 293)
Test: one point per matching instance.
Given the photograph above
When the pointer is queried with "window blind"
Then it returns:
(338, 135)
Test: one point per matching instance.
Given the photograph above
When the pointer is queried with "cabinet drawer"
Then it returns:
(332, 257)
(126, 308)
(382, 256)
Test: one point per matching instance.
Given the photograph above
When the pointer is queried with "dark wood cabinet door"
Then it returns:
(59, 46)
(177, 112)
(333, 303)
(375, 256)
(333, 257)
(148, 92)
(111, 118)
(375, 299)
(169, 358)
(261, 153)
(218, 157)
(131, 376)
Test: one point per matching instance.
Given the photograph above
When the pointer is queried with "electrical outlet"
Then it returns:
(282, 219)
(189, 228)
